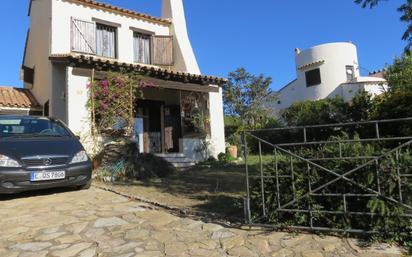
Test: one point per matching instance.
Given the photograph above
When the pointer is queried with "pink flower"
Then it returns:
(104, 84)
(120, 82)
(104, 106)
(147, 84)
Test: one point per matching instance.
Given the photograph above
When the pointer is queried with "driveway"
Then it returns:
(101, 223)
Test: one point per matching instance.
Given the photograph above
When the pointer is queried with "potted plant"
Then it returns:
(232, 148)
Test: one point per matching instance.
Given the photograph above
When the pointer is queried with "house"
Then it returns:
(327, 70)
(68, 40)
(18, 101)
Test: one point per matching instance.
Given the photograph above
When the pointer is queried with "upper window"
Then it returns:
(350, 73)
(313, 78)
(105, 40)
(142, 49)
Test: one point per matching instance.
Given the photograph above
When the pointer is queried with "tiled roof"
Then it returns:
(17, 98)
(378, 73)
(101, 63)
(119, 10)
(310, 65)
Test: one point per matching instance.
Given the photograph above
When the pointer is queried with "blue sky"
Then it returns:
(259, 35)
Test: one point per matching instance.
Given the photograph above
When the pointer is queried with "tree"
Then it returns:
(361, 107)
(399, 74)
(405, 9)
(325, 111)
(244, 96)
(393, 105)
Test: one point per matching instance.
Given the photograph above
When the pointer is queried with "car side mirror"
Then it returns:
(78, 137)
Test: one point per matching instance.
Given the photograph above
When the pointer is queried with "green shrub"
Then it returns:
(387, 218)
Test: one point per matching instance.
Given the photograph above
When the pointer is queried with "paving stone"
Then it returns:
(221, 234)
(203, 252)
(71, 251)
(275, 237)
(153, 245)
(90, 252)
(283, 253)
(93, 233)
(124, 229)
(125, 255)
(59, 247)
(136, 209)
(232, 242)
(31, 246)
(76, 228)
(242, 251)
(10, 254)
(34, 254)
(137, 234)
(108, 222)
(329, 247)
(69, 239)
(48, 237)
(138, 250)
(261, 245)
(150, 254)
(175, 248)
(107, 243)
(51, 230)
(211, 227)
(128, 247)
(312, 254)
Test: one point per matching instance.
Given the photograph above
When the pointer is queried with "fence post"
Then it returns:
(247, 202)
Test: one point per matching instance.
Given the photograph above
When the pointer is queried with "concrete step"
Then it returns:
(178, 160)
(171, 155)
(184, 165)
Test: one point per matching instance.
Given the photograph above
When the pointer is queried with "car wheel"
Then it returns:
(85, 186)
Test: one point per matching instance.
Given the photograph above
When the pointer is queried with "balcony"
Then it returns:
(102, 40)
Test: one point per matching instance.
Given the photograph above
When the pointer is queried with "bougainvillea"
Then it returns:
(112, 101)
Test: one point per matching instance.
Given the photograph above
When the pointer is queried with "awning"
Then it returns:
(104, 64)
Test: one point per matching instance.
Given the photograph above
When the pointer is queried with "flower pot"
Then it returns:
(232, 151)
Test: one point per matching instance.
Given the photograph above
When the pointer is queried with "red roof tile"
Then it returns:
(17, 98)
(119, 10)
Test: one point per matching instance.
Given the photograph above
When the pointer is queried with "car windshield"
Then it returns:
(31, 127)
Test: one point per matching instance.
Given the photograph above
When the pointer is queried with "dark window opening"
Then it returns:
(28, 75)
(46, 109)
(313, 78)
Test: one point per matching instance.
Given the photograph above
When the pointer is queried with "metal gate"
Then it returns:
(335, 177)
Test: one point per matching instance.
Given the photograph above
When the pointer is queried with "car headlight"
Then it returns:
(80, 157)
(8, 162)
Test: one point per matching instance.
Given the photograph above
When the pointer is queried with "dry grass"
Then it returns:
(218, 190)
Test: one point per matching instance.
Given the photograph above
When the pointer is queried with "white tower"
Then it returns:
(185, 59)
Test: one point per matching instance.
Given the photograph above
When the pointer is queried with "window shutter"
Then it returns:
(162, 50)
(83, 36)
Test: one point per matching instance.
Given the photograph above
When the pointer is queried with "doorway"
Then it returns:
(161, 126)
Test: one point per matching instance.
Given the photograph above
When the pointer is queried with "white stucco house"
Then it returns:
(68, 39)
(326, 71)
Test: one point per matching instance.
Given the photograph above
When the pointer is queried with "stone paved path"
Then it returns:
(99, 223)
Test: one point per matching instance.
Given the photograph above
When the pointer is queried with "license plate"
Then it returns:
(47, 175)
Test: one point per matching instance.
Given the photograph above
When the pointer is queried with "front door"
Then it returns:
(173, 128)
(150, 111)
